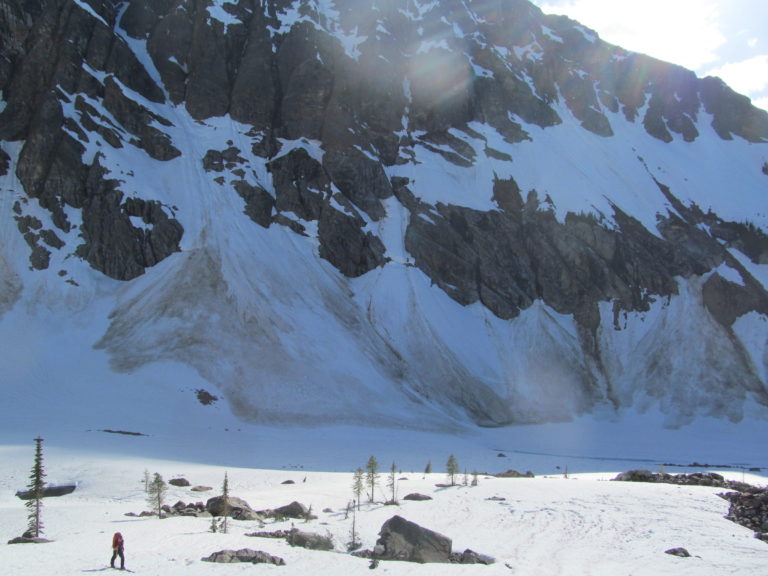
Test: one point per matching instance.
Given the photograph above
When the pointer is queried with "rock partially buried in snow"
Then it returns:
(309, 540)
(244, 555)
(416, 497)
(28, 540)
(680, 552)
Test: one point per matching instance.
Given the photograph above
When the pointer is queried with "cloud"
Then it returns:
(748, 76)
(686, 32)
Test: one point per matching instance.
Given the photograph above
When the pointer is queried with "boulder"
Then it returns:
(416, 497)
(181, 482)
(400, 539)
(635, 476)
(680, 552)
(245, 555)
(238, 508)
(292, 510)
(201, 488)
(309, 540)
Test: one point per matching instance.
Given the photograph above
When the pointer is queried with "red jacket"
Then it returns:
(117, 541)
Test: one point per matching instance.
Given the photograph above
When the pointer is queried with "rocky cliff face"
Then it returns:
(340, 119)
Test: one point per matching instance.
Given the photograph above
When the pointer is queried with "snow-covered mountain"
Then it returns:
(399, 212)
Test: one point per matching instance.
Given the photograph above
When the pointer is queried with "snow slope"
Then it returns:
(549, 525)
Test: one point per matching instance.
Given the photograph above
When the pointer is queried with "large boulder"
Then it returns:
(400, 539)
(292, 510)
(237, 507)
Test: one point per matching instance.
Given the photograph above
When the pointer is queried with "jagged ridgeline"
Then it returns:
(439, 211)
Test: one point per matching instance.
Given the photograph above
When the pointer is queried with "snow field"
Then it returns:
(548, 525)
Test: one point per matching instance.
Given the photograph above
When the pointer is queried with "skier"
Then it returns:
(118, 545)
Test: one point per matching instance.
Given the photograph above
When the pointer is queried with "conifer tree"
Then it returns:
(36, 487)
(392, 483)
(225, 502)
(353, 543)
(156, 494)
(452, 467)
(428, 468)
(371, 475)
(358, 485)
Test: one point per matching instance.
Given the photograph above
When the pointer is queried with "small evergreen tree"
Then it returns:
(371, 475)
(474, 478)
(358, 485)
(146, 481)
(428, 468)
(353, 543)
(36, 487)
(452, 467)
(392, 483)
(156, 494)
(225, 504)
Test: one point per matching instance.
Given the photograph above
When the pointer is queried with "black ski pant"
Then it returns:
(118, 552)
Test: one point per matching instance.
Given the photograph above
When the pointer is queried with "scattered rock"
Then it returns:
(514, 474)
(288, 482)
(201, 488)
(181, 482)
(245, 555)
(400, 539)
(680, 552)
(417, 497)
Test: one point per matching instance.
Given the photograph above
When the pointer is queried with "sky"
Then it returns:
(725, 38)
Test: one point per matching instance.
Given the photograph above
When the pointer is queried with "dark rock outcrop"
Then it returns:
(749, 510)
(697, 479)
